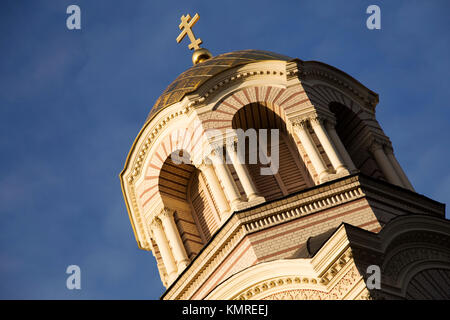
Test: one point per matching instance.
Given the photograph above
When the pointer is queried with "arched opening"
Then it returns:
(350, 128)
(292, 175)
(429, 284)
(183, 189)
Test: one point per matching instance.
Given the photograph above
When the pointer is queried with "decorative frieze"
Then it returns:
(230, 80)
(304, 207)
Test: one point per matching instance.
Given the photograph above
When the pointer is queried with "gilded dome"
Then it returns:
(191, 79)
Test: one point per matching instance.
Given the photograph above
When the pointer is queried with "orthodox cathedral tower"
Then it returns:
(336, 218)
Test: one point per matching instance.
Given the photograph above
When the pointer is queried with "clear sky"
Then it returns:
(72, 102)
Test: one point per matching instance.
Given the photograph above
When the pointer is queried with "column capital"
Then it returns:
(375, 145)
(156, 224)
(330, 124)
(206, 163)
(317, 120)
(166, 213)
(389, 149)
(300, 123)
(231, 144)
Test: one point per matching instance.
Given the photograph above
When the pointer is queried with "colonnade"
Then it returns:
(163, 227)
(338, 155)
(331, 143)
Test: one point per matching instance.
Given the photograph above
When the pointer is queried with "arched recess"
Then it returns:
(284, 102)
(292, 174)
(183, 189)
(429, 284)
(351, 130)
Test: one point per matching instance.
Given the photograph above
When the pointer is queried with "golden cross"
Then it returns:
(186, 24)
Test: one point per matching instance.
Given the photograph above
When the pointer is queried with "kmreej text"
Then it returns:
(231, 309)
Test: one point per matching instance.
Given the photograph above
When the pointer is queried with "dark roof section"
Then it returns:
(195, 76)
(312, 245)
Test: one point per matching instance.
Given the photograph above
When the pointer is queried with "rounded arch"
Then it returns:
(187, 140)
(280, 100)
(295, 279)
(239, 284)
(290, 174)
(184, 190)
(412, 245)
(413, 251)
(428, 281)
(322, 94)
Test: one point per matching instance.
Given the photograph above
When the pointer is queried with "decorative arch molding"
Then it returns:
(350, 286)
(407, 245)
(280, 100)
(419, 267)
(296, 279)
(406, 224)
(412, 251)
(324, 94)
(313, 72)
(154, 143)
(269, 72)
(434, 276)
(189, 138)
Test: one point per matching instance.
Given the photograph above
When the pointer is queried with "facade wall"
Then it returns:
(282, 241)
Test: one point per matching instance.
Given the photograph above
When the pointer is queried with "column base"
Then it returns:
(225, 215)
(324, 176)
(253, 202)
(182, 265)
(333, 176)
(172, 277)
(236, 205)
(342, 171)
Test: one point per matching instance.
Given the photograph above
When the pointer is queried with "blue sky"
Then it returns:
(72, 102)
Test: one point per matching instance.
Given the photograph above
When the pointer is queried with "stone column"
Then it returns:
(164, 249)
(383, 162)
(328, 145)
(301, 130)
(340, 146)
(216, 188)
(242, 172)
(398, 168)
(173, 236)
(229, 185)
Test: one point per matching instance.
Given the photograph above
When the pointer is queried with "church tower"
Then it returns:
(326, 213)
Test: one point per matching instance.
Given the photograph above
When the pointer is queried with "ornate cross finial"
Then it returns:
(200, 54)
(186, 24)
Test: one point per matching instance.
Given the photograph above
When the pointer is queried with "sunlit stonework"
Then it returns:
(340, 201)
